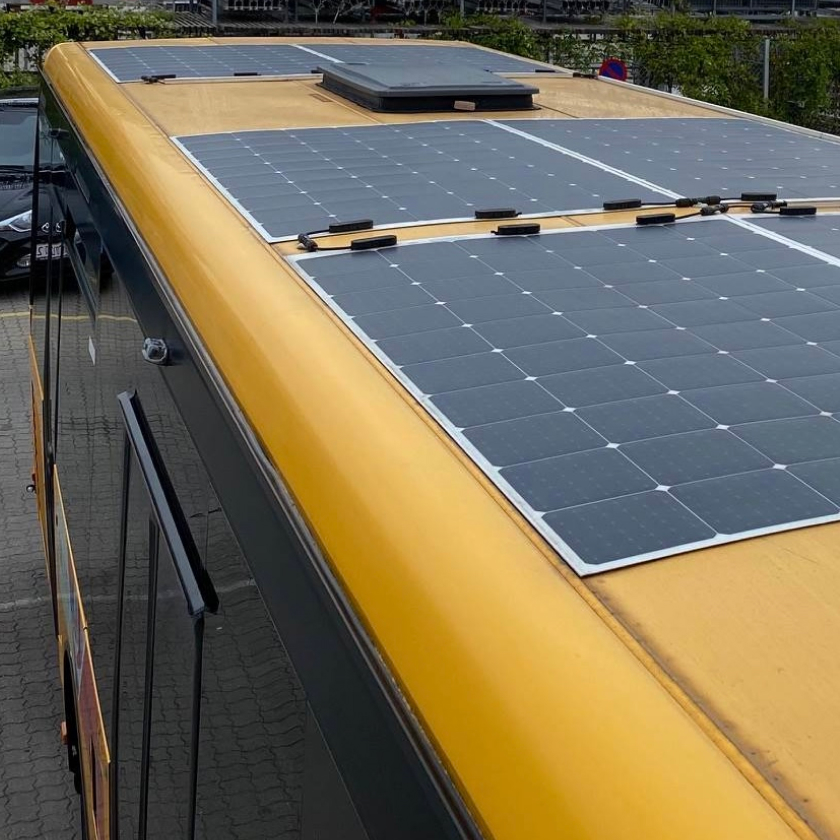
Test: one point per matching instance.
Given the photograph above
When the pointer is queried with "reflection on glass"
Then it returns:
(132, 664)
(170, 746)
(253, 710)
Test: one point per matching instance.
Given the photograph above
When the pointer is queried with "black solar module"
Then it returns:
(703, 156)
(128, 64)
(672, 403)
(424, 54)
(821, 232)
(291, 181)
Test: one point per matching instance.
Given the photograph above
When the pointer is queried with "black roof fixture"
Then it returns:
(497, 213)
(657, 219)
(385, 88)
(519, 229)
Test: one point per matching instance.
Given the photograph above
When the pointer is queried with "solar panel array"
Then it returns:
(704, 156)
(636, 392)
(290, 181)
(127, 64)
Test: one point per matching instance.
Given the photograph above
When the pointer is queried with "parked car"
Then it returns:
(18, 118)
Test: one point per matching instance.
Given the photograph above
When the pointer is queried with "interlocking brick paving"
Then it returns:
(36, 790)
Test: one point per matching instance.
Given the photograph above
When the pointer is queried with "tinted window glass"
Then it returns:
(17, 136)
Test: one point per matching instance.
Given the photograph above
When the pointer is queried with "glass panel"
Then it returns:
(169, 809)
(84, 246)
(253, 710)
(38, 291)
(18, 126)
(140, 537)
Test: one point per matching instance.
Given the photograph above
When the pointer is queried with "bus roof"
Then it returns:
(690, 697)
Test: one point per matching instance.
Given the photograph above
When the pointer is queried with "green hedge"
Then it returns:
(26, 36)
(715, 59)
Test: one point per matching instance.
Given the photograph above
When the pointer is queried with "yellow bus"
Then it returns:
(432, 444)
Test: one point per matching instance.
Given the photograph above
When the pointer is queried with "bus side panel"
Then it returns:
(39, 477)
(279, 646)
(73, 632)
(94, 749)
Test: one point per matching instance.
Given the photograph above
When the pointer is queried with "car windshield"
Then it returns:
(17, 136)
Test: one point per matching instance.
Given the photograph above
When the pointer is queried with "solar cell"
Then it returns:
(701, 156)
(126, 64)
(624, 431)
(291, 181)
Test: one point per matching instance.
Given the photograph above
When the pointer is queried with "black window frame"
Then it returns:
(166, 520)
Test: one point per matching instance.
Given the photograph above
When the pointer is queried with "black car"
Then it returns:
(18, 117)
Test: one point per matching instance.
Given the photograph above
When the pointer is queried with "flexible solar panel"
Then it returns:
(821, 232)
(703, 156)
(291, 181)
(128, 64)
(635, 392)
(423, 54)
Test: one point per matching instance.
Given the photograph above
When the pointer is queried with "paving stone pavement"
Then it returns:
(36, 790)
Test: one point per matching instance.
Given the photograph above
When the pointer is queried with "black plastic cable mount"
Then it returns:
(154, 78)
(758, 196)
(801, 210)
(385, 241)
(497, 213)
(623, 204)
(351, 226)
(523, 229)
(657, 219)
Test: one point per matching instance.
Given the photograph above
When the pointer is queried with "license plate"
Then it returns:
(43, 252)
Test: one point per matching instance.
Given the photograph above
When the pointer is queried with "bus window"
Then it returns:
(158, 671)
(38, 288)
(83, 247)
(264, 768)
(175, 672)
(130, 668)
(251, 749)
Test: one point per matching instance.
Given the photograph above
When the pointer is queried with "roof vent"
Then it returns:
(380, 87)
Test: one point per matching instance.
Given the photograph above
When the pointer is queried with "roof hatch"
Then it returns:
(387, 88)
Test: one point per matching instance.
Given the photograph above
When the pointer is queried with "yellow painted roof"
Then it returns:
(692, 698)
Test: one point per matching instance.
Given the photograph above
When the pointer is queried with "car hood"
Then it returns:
(15, 197)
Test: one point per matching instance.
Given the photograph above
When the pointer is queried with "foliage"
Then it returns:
(583, 54)
(805, 75)
(713, 59)
(716, 59)
(509, 35)
(26, 36)
(575, 53)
